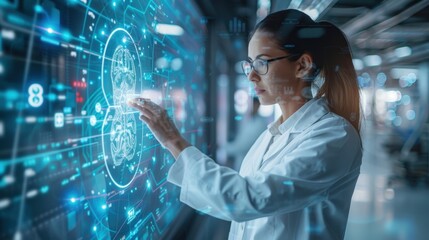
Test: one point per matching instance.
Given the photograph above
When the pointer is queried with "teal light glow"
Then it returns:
(11, 94)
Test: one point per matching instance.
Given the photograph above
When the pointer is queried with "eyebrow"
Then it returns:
(260, 55)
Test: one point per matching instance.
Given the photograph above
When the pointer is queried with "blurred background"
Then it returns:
(390, 44)
(59, 100)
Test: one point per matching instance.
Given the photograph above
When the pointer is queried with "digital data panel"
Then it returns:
(75, 161)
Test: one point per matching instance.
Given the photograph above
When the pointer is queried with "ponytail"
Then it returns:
(340, 86)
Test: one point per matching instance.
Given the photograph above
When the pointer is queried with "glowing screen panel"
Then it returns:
(75, 161)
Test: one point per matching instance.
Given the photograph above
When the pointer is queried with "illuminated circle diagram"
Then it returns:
(120, 77)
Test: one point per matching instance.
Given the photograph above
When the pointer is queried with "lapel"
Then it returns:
(279, 144)
(300, 121)
(253, 158)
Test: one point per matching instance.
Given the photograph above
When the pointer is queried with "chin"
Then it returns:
(264, 101)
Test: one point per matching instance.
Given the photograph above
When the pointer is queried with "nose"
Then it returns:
(253, 76)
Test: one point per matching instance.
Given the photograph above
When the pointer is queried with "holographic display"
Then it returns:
(76, 162)
(121, 79)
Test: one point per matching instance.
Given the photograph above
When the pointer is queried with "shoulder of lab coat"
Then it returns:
(328, 150)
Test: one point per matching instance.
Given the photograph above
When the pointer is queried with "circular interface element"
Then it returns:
(120, 77)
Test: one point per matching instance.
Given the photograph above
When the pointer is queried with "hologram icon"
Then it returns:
(121, 77)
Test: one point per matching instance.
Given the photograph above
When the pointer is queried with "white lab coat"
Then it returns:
(300, 188)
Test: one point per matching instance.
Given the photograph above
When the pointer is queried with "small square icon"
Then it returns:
(59, 120)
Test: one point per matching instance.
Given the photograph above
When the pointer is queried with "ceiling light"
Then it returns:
(358, 64)
(311, 8)
(403, 51)
(397, 73)
(312, 12)
(372, 60)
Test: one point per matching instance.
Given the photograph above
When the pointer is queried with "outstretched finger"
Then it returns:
(134, 104)
(143, 110)
(149, 105)
(145, 119)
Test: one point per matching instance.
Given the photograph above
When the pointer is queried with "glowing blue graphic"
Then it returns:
(75, 161)
(121, 79)
(35, 95)
(59, 120)
(92, 120)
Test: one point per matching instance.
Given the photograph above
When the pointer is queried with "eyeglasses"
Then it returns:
(260, 65)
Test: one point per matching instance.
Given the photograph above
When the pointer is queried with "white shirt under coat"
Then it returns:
(296, 182)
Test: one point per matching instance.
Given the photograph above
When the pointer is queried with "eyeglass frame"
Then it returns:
(265, 61)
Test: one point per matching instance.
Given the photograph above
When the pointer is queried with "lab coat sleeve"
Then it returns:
(301, 178)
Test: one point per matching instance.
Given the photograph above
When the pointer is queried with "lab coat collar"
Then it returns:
(308, 114)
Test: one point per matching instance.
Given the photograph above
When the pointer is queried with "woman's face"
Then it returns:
(280, 83)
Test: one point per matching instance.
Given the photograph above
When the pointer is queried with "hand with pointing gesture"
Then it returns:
(160, 125)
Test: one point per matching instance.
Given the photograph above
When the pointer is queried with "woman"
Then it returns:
(297, 180)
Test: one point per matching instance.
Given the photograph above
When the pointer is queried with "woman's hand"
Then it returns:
(160, 125)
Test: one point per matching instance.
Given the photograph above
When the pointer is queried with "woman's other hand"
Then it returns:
(160, 124)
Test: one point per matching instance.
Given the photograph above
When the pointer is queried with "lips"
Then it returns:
(259, 90)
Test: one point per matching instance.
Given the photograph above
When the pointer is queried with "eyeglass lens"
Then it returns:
(258, 65)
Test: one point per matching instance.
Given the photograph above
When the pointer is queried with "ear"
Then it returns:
(304, 66)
